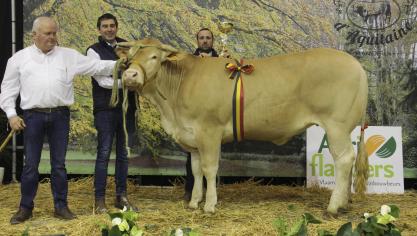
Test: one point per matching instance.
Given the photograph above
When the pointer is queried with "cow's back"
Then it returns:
(289, 93)
(283, 96)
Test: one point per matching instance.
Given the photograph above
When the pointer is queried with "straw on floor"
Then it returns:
(243, 209)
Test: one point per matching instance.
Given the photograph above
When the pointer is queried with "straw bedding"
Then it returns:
(243, 209)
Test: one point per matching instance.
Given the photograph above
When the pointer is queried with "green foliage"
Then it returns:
(380, 224)
(281, 226)
(123, 224)
(297, 229)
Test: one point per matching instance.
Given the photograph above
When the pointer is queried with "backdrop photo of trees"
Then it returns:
(381, 34)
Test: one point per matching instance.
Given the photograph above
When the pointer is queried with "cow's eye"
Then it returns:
(153, 57)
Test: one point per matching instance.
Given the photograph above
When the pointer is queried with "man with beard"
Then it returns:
(205, 44)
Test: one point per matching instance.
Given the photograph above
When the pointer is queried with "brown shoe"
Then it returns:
(64, 213)
(100, 206)
(21, 216)
(122, 202)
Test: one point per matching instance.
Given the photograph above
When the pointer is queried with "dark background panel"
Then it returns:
(6, 52)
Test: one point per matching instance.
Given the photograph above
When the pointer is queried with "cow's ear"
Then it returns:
(168, 48)
(122, 49)
(175, 56)
(121, 52)
(168, 52)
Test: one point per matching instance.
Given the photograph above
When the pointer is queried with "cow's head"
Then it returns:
(143, 60)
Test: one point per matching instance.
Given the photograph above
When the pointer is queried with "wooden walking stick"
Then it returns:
(3, 145)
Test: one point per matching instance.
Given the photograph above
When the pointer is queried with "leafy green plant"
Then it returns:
(123, 223)
(380, 224)
(298, 229)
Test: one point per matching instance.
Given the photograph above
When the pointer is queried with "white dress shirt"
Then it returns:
(45, 80)
(103, 81)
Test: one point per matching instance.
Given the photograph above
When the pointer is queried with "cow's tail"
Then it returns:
(361, 164)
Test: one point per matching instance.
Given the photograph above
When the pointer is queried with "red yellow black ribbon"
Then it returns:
(238, 96)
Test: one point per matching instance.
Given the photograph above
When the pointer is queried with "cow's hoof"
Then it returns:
(193, 204)
(209, 209)
(329, 216)
(344, 210)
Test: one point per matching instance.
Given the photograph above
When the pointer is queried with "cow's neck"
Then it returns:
(163, 91)
(165, 110)
(170, 78)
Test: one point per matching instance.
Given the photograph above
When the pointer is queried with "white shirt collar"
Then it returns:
(39, 51)
(111, 45)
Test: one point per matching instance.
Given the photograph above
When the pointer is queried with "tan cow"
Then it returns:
(283, 96)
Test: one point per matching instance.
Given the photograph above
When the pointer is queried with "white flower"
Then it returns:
(116, 221)
(366, 215)
(179, 232)
(385, 209)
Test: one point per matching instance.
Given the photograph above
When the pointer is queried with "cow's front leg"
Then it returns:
(209, 157)
(210, 172)
(197, 194)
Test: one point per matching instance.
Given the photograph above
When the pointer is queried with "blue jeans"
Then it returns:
(55, 126)
(109, 123)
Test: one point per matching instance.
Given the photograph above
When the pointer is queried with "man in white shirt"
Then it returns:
(43, 75)
(109, 120)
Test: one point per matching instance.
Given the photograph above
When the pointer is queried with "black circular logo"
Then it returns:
(373, 15)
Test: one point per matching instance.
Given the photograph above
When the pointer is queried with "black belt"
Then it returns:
(48, 110)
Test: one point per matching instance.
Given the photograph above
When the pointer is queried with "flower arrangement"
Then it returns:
(380, 224)
(123, 223)
(373, 225)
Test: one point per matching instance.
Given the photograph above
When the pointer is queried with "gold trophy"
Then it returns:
(224, 27)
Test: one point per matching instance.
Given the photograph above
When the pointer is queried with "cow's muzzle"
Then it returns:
(134, 78)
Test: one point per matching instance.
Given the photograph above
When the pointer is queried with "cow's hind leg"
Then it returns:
(343, 155)
(197, 194)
